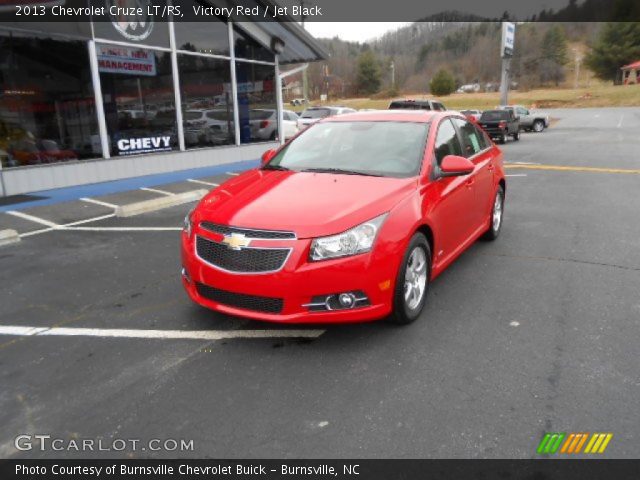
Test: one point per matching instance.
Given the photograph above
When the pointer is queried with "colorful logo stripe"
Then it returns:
(572, 443)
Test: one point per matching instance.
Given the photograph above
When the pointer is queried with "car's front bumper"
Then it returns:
(296, 284)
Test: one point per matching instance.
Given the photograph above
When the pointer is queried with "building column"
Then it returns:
(279, 105)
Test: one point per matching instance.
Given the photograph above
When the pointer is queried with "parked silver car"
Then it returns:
(529, 119)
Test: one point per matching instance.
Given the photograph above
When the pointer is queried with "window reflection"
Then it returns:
(139, 101)
(47, 108)
(256, 102)
(207, 104)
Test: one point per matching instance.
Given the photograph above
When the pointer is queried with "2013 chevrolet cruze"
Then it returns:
(349, 221)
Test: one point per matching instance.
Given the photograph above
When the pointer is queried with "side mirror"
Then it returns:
(268, 155)
(455, 166)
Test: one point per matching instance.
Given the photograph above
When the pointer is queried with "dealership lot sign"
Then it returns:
(127, 61)
(131, 146)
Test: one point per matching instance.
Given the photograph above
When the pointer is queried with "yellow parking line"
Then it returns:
(573, 169)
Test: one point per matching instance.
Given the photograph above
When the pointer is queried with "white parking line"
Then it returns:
(124, 229)
(620, 122)
(31, 218)
(98, 202)
(232, 173)
(66, 225)
(158, 334)
(155, 190)
(202, 182)
(516, 175)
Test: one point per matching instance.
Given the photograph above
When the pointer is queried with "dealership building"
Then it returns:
(94, 101)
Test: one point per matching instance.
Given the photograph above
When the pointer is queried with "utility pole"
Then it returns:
(506, 52)
(305, 80)
(505, 80)
(393, 73)
(578, 60)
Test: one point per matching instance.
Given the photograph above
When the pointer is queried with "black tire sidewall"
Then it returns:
(401, 313)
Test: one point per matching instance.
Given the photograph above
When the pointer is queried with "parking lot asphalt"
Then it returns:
(536, 332)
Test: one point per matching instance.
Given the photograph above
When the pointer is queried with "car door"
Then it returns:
(452, 212)
(525, 118)
(477, 148)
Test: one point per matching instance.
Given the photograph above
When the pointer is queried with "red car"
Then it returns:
(350, 221)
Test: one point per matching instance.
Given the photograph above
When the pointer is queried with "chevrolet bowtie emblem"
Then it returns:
(236, 241)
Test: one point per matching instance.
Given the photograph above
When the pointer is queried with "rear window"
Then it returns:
(192, 115)
(493, 115)
(316, 113)
(402, 105)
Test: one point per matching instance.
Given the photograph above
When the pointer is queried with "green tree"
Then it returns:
(554, 55)
(368, 76)
(442, 83)
(617, 45)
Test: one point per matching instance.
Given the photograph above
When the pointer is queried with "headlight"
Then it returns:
(359, 239)
(188, 224)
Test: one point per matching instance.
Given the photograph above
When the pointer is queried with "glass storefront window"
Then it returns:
(203, 37)
(47, 108)
(139, 101)
(256, 102)
(247, 47)
(207, 104)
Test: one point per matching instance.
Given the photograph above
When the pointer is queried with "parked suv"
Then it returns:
(313, 114)
(417, 105)
(500, 124)
(529, 120)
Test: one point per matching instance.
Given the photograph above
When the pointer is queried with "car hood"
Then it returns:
(310, 204)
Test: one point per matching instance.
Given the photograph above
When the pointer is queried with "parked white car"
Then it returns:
(264, 124)
(207, 125)
(313, 114)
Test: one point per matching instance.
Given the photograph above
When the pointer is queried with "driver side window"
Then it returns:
(447, 142)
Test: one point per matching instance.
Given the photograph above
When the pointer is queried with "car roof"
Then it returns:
(419, 116)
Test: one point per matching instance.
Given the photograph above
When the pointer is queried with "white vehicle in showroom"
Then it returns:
(264, 124)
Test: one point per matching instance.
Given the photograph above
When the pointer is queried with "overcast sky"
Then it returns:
(352, 31)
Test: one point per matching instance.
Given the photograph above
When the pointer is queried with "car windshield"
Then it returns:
(492, 115)
(316, 113)
(389, 149)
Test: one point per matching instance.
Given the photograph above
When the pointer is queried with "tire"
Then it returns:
(516, 136)
(502, 139)
(406, 307)
(495, 226)
(538, 126)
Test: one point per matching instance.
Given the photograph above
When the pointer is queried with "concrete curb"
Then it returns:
(154, 204)
(8, 236)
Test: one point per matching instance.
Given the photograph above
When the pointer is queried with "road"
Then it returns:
(536, 332)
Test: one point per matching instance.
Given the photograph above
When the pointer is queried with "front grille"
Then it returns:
(245, 260)
(240, 300)
(248, 232)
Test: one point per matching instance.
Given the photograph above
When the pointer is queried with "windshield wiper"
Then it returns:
(275, 167)
(339, 170)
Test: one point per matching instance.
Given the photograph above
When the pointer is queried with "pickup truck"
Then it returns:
(529, 120)
(500, 124)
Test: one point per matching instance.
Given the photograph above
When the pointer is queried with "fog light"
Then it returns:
(347, 300)
(338, 301)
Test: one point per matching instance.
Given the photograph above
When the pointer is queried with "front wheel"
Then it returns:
(495, 222)
(516, 136)
(538, 126)
(412, 284)
(503, 139)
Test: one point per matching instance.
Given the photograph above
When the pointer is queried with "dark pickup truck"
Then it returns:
(500, 124)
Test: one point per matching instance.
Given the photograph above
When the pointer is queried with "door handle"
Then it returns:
(469, 183)
(490, 167)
